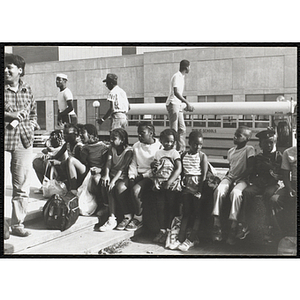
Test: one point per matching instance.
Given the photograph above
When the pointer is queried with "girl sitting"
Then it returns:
(166, 169)
(195, 166)
(115, 181)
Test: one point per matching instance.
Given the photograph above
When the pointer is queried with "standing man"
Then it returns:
(66, 113)
(20, 121)
(119, 105)
(174, 104)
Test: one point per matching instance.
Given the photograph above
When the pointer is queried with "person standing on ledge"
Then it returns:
(66, 113)
(175, 101)
(20, 121)
(119, 105)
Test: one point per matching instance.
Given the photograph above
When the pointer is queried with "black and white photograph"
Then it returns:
(150, 150)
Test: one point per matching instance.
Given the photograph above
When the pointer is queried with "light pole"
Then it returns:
(96, 105)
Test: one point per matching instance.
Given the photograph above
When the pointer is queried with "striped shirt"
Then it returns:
(20, 100)
(191, 164)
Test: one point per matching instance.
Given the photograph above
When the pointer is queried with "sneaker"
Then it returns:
(38, 191)
(123, 224)
(109, 225)
(133, 225)
(242, 232)
(217, 234)
(20, 232)
(174, 245)
(160, 237)
(186, 245)
(231, 240)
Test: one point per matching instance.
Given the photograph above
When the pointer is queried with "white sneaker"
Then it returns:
(110, 224)
(186, 245)
(174, 245)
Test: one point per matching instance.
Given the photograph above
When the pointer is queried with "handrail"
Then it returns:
(220, 108)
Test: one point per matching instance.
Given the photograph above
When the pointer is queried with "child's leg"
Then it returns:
(268, 193)
(171, 207)
(197, 206)
(74, 165)
(160, 199)
(122, 197)
(186, 213)
(137, 193)
(236, 201)
(219, 196)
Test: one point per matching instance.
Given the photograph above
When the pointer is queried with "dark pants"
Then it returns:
(166, 207)
(250, 192)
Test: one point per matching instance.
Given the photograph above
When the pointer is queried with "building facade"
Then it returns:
(217, 74)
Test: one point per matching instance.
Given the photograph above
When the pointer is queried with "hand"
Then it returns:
(189, 107)
(95, 170)
(111, 185)
(105, 180)
(100, 121)
(198, 195)
(34, 125)
(54, 162)
(166, 185)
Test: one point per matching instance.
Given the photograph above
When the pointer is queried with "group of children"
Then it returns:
(180, 184)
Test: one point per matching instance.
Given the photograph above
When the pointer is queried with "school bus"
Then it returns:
(218, 122)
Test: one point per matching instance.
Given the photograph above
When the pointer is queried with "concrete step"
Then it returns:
(86, 241)
(40, 234)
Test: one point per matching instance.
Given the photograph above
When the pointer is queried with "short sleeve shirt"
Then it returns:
(238, 161)
(119, 100)
(173, 154)
(62, 99)
(176, 81)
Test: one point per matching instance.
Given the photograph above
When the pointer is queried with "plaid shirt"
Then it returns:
(17, 101)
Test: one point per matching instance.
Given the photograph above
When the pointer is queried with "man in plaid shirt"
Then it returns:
(20, 120)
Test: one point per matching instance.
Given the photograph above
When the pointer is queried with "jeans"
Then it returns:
(20, 167)
(176, 120)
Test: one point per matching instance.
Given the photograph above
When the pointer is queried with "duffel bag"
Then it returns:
(61, 212)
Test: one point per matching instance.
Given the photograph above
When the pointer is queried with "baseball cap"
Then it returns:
(63, 76)
(266, 134)
(111, 77)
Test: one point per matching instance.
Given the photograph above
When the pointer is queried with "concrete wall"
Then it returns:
(235, 71)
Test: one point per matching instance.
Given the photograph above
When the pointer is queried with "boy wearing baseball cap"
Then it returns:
(119, 105)
(264, 179)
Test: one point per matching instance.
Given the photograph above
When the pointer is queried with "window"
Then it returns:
(136, 100)
(55, 105)
(41, 113)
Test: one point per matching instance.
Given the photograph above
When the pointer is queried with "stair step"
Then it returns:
(83, 242)
(40, 234)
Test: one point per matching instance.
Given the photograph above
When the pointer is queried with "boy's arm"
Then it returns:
(287, 181)
(61, 151)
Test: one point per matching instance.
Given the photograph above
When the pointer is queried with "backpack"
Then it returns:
(61, 212)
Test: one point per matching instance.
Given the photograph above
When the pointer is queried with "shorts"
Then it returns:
(190, 184)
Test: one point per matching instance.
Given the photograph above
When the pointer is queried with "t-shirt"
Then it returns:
(191, 164)
(176, 81)
(119, 100)
(62, 99)
(289, 161)
(143, 155)
(94, 155)
(238, 161)
(173, 154)
(118, 162)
